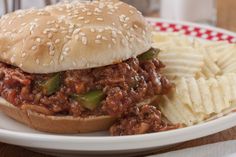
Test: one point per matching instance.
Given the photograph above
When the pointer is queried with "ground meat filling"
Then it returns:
(116, 89)
(143, 119)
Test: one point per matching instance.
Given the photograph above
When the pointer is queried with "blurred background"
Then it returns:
(221, 13)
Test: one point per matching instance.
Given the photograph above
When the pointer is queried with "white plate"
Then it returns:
(15, 133)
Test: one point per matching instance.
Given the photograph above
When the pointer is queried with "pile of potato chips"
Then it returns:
(204, 74)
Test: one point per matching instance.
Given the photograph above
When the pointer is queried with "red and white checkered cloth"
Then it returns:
(192, 30)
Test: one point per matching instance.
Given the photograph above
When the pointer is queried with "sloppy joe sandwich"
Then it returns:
(81, 67)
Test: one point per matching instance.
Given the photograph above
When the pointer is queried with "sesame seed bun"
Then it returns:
(75, 35)
(56, 124)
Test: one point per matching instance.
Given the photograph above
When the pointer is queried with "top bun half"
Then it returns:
(69, 36)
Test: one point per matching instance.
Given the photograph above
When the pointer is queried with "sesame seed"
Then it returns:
(49, 35)
(38, 40)
(77, 37)
(51, 62)
(119, 3)
(71, 26)
(98, 41)
(50, 45)
(112, 10)
(63, 28)
(12, 59)
(10, 22)
(45, 31)
(122, 18)
(89, 13)
(80, 18)
(60, 9)
(99, 36)
(101, 5)
(68, 6)
(70, 30)
(84, 10)
(107, 28)
(110, 6)
(23, 24)
(131, 11)
(74, 63)
(95, 13)
(78, 25)
(131, 39)
(67, 49)
(65, 53)
(104, 38)
(23, 55)
(82, 34)
(51, 53)
(75, 16)
(87, 21)
(61, 58)
(113, 40)
(135, 26)
(4, 54)
(68, 37)
(92, 30)
(77, 30)
(100, 19)
(114, 34)
(100, 30)
(40, 13)
(49, 22)
(123, 42)
(84, 40)
(64, 32)
(34, 47)
(37, 61)
(97, 10)
(57, 41)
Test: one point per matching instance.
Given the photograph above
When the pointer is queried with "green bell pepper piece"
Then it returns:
(150, 54)
(52, 84)
(89, 100)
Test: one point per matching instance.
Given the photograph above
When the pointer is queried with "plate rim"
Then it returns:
(71, 143)
(103, 143)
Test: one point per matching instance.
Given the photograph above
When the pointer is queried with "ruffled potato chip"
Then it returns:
(196, 100)
(204, 73)
(181, 62)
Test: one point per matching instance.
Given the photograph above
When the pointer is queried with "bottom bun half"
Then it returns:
(56, 124)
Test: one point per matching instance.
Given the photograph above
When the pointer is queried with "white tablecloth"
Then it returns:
(222, 149)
